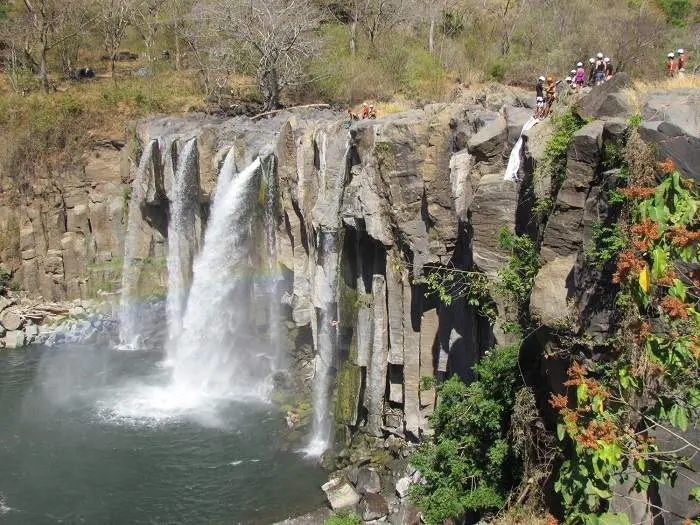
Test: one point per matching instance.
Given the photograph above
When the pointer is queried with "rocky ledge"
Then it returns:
(24, 321)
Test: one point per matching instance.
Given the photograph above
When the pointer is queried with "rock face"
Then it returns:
(608, 100)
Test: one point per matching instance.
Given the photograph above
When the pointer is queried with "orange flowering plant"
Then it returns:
(609, 417)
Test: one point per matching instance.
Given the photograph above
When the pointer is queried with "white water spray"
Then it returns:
(182, 239)
(216, 355)
(129, 327)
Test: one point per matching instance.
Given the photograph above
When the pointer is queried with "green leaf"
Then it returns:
(658, 257)
(694, 493)
(561, 432)
(581, 393)
(678, 289)
(613, 519)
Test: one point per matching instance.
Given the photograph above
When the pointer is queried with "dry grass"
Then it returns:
(640, 89)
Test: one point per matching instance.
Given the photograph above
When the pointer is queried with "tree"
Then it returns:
(113, 17)
(146, 16)
(274, 37)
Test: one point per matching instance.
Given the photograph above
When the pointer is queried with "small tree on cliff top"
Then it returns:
(274, 38)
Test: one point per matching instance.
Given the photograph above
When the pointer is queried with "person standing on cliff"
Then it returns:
(580, 77)
(539, 93)
(670, 65)
(365, 110)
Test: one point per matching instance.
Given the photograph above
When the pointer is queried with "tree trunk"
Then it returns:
(112, 61)
(431, 35)
(177, 52)
(353, 37)
(43, 72)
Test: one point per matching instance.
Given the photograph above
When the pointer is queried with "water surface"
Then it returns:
(93, 435)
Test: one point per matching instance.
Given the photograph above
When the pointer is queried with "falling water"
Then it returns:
(182, 240)
(129, 327)
(216, 355)
(273, 279)
(327, 343)
(331, 187)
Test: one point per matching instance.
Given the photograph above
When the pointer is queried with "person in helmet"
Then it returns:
(670, 65)
(550, 94)
(579, 77)
(539, 94)
(609, 70)
(365, 110)
(599, 69)
(591, 71)
(372, 112)
(680, 62)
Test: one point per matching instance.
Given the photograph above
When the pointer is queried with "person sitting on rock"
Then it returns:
(539, 93)
(670, 65)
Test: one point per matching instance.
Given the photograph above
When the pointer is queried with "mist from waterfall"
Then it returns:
(129, 326)
(182, 239)
(217, 354)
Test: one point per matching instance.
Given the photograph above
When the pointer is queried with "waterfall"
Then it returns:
(216, 354)
(331, 184)
(273, 278)
(327, 343)
(514, 158)
(129, 326)
(182, 239)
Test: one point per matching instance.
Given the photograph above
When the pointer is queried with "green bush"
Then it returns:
(497, 71)
(469, 465)
(518, 274)
(678, 12)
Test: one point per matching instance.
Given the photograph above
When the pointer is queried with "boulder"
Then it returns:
(11, 319)
(489, 143)
(516, 117)
(340, 493)
(373, 507)
(31, 332)
(684, 150)
(678, 111)
(552, 286)
(402, 486)
(407, 514)
(615, 129)
(494, 205)
(14, 339)
(368, 481)
(608, 100)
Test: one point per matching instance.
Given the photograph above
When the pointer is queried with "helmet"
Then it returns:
(542, 79)
(568, 79)
(680, 51)
(591, 60)
(573, 71)
(579, 64)
(550, 78)
(670, 55)
(600, 55)
(606, 59)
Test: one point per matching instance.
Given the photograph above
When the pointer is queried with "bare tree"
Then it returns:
(274, 37)
(147, 17)
(177, 15)
(113, 17)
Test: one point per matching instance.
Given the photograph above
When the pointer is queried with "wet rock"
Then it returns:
(340, 493)
(368, 481)
(31, 332)
(373, 507)
(516, 117)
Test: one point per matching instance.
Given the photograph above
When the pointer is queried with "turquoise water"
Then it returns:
(92, 435)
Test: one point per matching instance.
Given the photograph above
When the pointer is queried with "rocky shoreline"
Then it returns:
(25, 321)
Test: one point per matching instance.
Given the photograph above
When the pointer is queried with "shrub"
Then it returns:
(518, 274)
(344, 518)
(469, 465)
